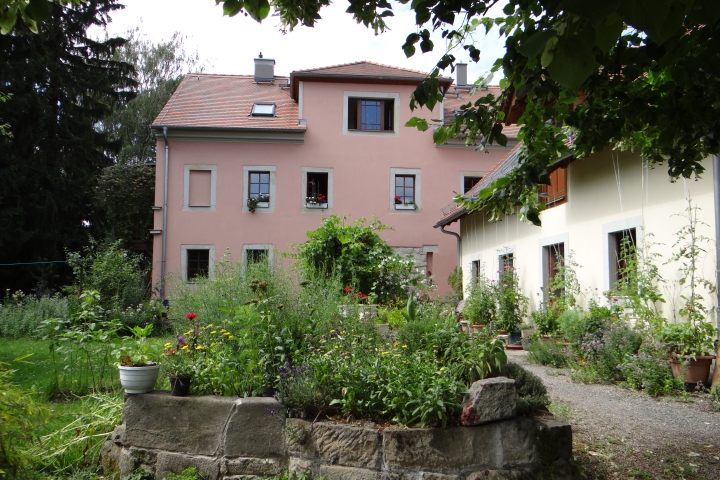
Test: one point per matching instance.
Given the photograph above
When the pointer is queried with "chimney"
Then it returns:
(264, 69)
(461, 70)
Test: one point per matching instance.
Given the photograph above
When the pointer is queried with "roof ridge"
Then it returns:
(359, 63)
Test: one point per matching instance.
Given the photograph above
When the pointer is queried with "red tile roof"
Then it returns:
(362, 72)
(225, 101)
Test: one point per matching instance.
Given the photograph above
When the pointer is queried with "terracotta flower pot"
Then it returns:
(697, 369)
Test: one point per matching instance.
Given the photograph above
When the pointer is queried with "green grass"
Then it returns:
(34, 373)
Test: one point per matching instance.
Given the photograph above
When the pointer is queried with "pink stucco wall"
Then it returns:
(361, 166)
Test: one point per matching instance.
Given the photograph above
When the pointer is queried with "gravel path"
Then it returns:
(628, 430)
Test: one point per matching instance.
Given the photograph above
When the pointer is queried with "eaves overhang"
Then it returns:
(295, 78)
(233, 134)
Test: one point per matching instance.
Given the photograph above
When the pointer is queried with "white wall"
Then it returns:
(607, 192)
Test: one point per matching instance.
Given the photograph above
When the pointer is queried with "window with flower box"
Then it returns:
(258, 188)
(317, 190)
(405, 189)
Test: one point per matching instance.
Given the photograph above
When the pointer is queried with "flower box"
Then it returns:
(316, 205)
(263, 205)
(401, 206)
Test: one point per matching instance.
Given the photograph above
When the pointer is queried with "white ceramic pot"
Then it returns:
(138, 379)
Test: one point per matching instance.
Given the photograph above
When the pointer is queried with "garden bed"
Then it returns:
(228, 437)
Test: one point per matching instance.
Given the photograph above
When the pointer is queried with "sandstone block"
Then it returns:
(333, 472)
(253, 466)
(118, 435)
(252, 431)
(515, 474)
(300, 465)
(488, 400)
(177, 424)
(518, 443)
(208, 467)
(443, 448)
(133, 458)
(553, 438)
(110, 458)
(334, 444)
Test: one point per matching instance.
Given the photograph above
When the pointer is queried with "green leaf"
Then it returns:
(608, 32)
(232, 7)
(593, 10)
(549, 52)
(257, 9)
(573, 62)
(440, 136)
(649, 16)
(419, 123)
(485, 193)
(38, 10)
(532, 46)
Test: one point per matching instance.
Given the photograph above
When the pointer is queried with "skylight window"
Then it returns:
(263, 110)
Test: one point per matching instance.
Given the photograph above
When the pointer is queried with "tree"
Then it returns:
(158, 71)
(62, 84)
(126, 190)
(626, 74)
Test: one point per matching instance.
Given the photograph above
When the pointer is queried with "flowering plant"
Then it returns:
(398, 200)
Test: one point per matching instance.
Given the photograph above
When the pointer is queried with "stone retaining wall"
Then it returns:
(232, 438)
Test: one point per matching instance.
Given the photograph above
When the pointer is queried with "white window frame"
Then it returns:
(461, 191)
(183, 260)
(372, 96)
(418, 188)
(330, 193)
(259, 246)
(246, 187)
(635, 222)
(186, 187)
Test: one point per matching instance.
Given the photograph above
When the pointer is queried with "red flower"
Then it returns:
(347, 289)
(191, 315)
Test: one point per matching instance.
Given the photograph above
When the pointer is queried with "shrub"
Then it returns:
(21, 315)
(511, 303)
(547, 321)
(480, 306)
(18, 418)
(607, 349)
(360, 258)
(649, 370)
(455, 280)
(548, 353)
(531, 392)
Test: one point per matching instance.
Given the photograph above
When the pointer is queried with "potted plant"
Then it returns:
(139, 357)
(315, 199)
(179, 360)
(261, 201)
(691, 346)
(512, 305)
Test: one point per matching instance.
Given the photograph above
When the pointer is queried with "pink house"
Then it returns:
(249, 164)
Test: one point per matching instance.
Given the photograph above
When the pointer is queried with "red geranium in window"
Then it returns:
(398, 200)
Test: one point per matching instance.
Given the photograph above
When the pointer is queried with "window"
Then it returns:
(370, 114)
(506, 260)
(259, 186)
(555, 193)
(263, 110)
(317, 190)
(622, 247)
(256, 256)
(404, 189)
(199, 187)
(258, 253)
(475, 271)
(197, 261)
(554, 259)
(198, 264)
(469, 182)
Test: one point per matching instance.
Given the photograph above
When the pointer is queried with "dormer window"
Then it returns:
(370, 114)
(263, 109)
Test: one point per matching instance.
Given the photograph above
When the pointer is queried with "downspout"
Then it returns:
(164, 216)
(459, 246)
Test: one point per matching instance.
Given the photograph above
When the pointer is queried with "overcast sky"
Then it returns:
(228, 45)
